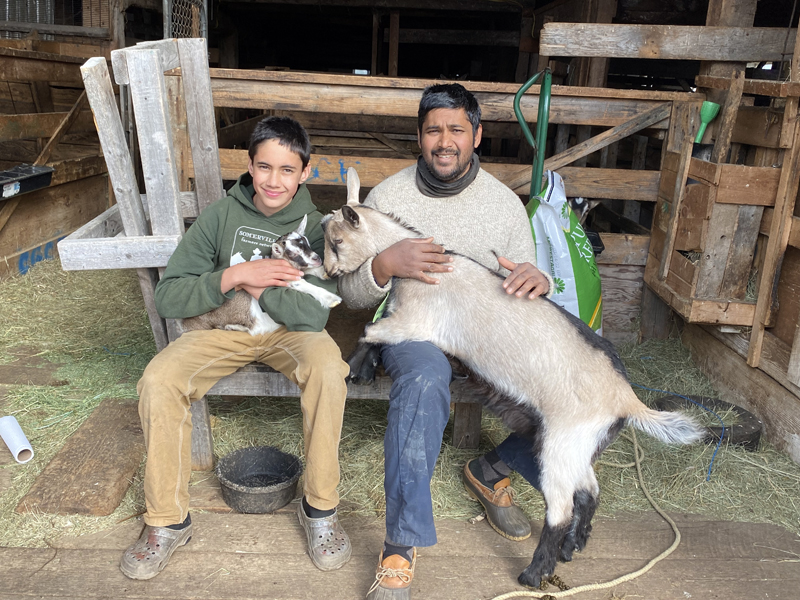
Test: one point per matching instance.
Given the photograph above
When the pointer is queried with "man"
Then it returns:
(448, 196)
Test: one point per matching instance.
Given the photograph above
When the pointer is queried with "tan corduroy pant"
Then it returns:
(188, 367)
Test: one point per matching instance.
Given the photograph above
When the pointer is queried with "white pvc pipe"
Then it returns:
(16, 441)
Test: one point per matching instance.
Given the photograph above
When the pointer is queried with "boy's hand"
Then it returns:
(524, 279)
(264, 273)
(411, 259)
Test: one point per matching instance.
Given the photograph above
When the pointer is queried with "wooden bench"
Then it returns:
(141, 231)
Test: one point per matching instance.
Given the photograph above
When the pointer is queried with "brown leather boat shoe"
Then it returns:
(505, 517)
(393, 578)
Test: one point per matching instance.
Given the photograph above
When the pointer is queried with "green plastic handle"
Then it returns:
(542, 121)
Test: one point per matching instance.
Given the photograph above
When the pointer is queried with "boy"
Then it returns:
(228, 247)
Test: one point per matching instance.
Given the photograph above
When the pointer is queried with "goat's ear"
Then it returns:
(353, 185)
(277, 251)
(301, 229)
(350, 216)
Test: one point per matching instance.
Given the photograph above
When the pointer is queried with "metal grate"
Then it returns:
(82, 13)
(187, 18)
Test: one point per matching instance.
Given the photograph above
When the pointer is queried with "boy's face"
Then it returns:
(447, 142)
(277, 173)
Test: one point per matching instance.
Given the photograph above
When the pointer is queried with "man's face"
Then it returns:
(447, 142)
(277, 173)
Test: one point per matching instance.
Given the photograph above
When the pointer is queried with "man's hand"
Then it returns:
(411, 259)
(264, 273)
(524, 279)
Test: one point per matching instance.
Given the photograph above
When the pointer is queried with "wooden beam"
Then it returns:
(595, 183)
(460, 5)
(21, 65)
(48, 28)
(776, 245)
(65, 125)
(394, 42)
(614, 134)
(40, 125)
(729, 44)
(760, 87)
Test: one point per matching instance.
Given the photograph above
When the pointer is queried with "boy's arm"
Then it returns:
(190, 285)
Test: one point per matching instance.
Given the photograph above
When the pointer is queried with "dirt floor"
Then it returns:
(238, 557)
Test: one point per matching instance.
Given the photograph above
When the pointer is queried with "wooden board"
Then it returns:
(774, 404)
(741, 44)
(33, 125)
(48, 214)
(622, 299)
(92, 471)
(589, 182)
(236, 557)
(20, 65)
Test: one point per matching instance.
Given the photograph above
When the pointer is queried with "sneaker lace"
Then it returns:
(504, 491)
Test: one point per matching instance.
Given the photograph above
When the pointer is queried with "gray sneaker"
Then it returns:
(151, 552)
(328, 544)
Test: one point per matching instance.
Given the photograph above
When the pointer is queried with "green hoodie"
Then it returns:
(233, 230)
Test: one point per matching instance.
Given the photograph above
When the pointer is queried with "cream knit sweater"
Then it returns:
(484, 221)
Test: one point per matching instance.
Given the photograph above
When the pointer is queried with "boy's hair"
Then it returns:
(289, 133)
(449, 95)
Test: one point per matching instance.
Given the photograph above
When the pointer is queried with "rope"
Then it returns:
(638, 455)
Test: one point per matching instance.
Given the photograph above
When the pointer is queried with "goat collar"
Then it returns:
(432, 187)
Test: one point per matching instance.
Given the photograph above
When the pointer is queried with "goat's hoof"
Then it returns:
(334, 303)
(565, 555)
(530, 579)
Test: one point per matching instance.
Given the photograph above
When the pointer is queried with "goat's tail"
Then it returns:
(669, 427)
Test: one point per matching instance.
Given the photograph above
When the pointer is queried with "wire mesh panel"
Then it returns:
(185, 18)
(83, 13)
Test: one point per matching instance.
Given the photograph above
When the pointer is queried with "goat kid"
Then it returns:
(544, 372)
(243, 312)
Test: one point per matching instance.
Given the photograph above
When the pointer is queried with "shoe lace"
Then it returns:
(402, 574)
(504, 491)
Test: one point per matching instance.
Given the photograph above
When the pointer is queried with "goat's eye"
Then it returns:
(337, 241)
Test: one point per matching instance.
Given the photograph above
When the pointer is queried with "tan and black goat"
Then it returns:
(546, 374)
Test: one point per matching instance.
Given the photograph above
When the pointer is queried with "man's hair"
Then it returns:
(289, 133)
(449, 95)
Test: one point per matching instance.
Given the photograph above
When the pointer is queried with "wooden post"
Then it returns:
(466, 424)
(394, 42)
(376, 42)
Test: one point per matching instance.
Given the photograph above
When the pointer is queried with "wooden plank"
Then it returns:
(200, 120)
(787, 297)
(34, 125)
(120, 252)
(81, 478)
(591, 182)
(776, 246)
(676, 198)
(394, 42)
(623, 249)
(740, 44)
(38, 66)
(202, 442)
(759, 393)
(368, 96)
(148, 90)
(77, 168)
(693, 219)
(49, 28)
(115, 147)
(622, 299)
(51, 213)
(602, 140)
(761, 87)
(725, 122)
(466, 424)
(168, 55)
(656, 317)
(759, 126)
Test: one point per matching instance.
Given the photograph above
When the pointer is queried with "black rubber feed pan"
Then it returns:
(259, 479)
(745, 432)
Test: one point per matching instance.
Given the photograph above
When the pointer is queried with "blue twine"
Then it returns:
(117, 353)
(722, 435)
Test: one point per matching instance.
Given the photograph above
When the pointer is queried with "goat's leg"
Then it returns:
(583, 507)
(363, 362)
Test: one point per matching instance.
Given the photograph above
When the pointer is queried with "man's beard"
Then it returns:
(452, 173)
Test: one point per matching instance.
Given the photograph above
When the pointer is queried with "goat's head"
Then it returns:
(344, 249)
(295, 248)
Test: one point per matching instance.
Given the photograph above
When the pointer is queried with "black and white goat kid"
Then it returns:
(547, 375)
(243, 312)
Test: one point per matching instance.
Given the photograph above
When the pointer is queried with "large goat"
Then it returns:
(546, 374)
(243, 312)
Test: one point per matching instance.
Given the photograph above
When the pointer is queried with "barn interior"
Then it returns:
(700, 265)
